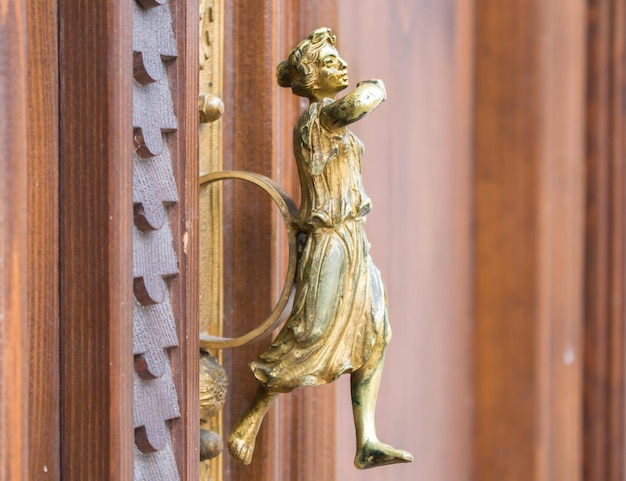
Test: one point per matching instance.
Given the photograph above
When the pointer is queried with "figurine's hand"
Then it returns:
(361, 101)
(379, 83)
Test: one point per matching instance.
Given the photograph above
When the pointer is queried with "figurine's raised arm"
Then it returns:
(361, 101)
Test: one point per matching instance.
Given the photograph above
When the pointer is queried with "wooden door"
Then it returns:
(496, 171)
(496, 167)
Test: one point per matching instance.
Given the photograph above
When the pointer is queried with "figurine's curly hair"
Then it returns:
(299, 71)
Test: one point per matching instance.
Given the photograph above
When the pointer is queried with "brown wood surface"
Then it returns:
(298, 434)
(95, 232)
(528, 183)
(156, 406)
(597, 249)
(43, 240)
(417, 171)
(185, 359)
(597, 343)
(604, 440)
(308, 415)
(475, 167)
(13, 248)
(506, 305)
(249, 144)
(617, 292)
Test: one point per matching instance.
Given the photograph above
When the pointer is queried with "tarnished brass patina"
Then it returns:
(213, 386)
(338, 323)
(210, 109)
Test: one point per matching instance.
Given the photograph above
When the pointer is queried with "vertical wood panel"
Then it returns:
(505, 298)
(617, 209)
(258, 127)
(614, 191)
(307, 415)
(597, 248)
(417, 170)
(528, 184)
(95, 236)
(561, 239)
(249, 144)
(185, 359)
(13, 246)
(43, 239)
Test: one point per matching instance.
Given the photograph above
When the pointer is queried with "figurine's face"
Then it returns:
(332, 73)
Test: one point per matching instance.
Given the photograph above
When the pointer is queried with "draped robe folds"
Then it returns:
(340, 310)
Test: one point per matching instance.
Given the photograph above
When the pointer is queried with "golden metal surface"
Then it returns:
(287, 209)
(213, 387)
(338, 323)
(210, 108)
(211, 23)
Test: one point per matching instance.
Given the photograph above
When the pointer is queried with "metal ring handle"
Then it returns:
(288, 210)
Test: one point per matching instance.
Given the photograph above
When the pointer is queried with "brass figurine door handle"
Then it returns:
(338, 323)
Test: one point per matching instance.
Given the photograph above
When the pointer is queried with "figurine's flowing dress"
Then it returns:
(339, 314)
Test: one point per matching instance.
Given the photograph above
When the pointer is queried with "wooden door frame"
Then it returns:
(88, 219)
(258, 123)
(13, 249)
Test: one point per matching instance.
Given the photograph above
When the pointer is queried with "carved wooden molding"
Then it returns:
(154, 258)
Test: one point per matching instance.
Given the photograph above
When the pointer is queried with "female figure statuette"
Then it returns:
(338, 323)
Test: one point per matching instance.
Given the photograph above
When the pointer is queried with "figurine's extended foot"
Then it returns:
(375, 453)
(241, 442)
(243, 435)
(240, 449)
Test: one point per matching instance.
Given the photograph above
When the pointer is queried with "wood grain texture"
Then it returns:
(506, 304)
(605, 273)
(155, 402)
(249, 144)
(153, 112)
(154, 333)
(161, 317)
(43, 240)
(154, 262)
(617, 293)
(597, 247)
(258, 127)
(417, 171)
(529, 198)
(184, 289)
(148, 54)
(154, 189)
(13, 248)
(95, 179)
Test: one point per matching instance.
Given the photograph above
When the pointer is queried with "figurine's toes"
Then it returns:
(374, 454)
(240, 449)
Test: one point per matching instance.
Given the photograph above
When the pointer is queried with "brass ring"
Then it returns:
(288, 211)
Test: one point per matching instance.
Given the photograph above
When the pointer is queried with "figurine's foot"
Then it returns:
(240, 450)
(241, 441)
(375, 453)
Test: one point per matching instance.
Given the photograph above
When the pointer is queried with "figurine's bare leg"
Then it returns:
(365, 383)
(243, 435)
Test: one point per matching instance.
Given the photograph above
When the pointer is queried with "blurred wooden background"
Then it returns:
(417, 169)
(497, 173)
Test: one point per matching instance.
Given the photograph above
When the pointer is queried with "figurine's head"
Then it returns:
(314, 68)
